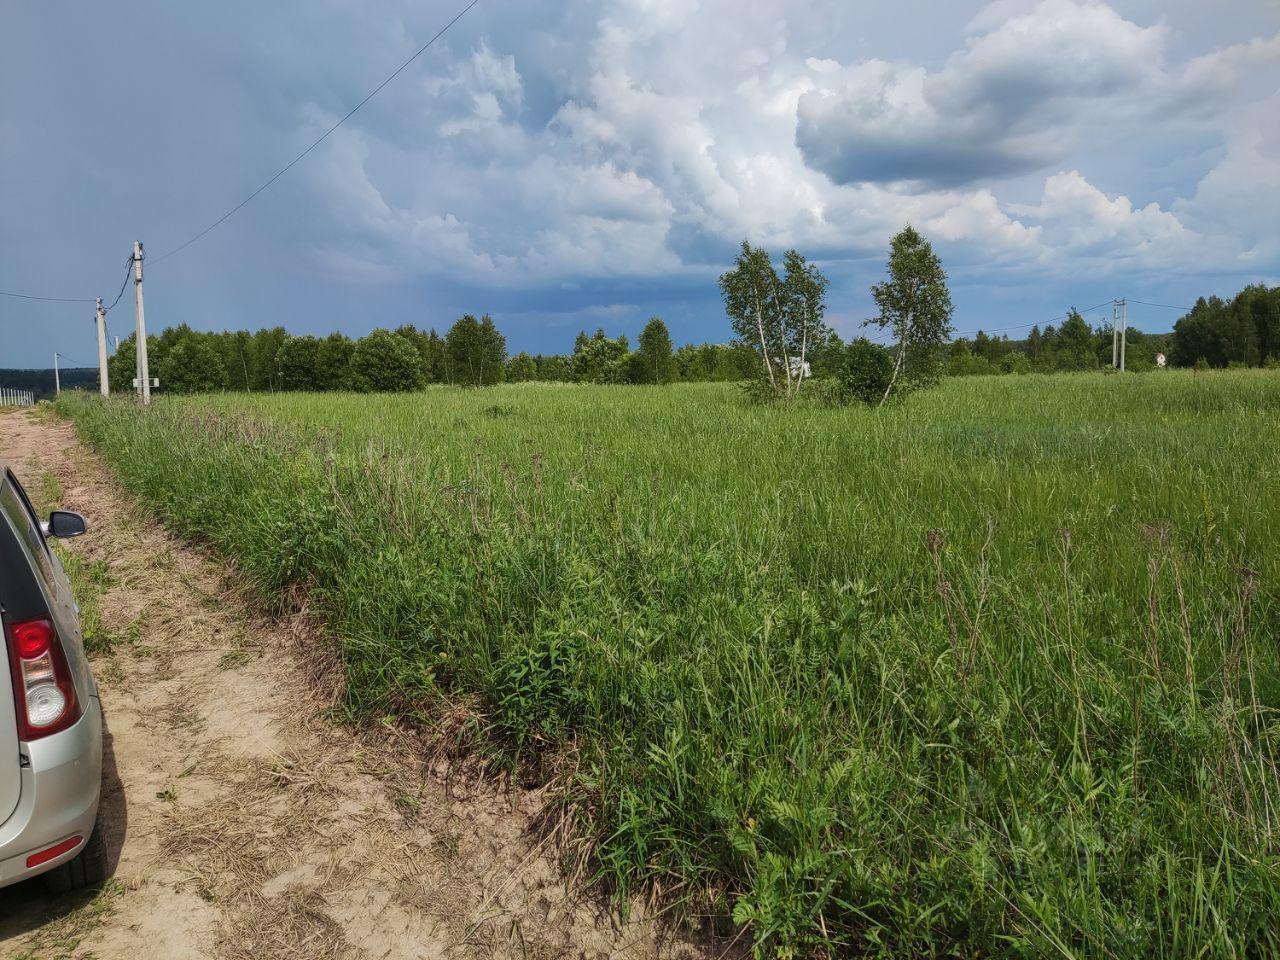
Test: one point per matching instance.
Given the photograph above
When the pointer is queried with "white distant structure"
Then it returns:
(800, 368)
(1161, 361)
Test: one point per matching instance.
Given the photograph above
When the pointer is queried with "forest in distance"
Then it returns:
(1243, 331)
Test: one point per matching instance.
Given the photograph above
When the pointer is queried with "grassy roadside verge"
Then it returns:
(993, 672)
(89, 578)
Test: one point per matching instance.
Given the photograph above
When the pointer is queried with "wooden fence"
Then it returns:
(16, 398)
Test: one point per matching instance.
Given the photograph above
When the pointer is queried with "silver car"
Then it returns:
(50, 718)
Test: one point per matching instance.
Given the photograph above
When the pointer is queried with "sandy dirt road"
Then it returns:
(242, 822)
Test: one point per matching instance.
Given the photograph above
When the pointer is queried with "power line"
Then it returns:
(128, 269)
(27, 296)
(319, 140)
(78, 364)
(1094, 307)
(276, 176)
(1034, 323)
(1020, 326)
(1167, 306)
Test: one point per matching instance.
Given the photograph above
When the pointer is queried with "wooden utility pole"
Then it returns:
(143, 368)
(104, 387)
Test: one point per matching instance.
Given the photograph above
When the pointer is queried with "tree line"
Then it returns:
(473, 352)
(781, 341)
(1073, 346)
(1241, 332)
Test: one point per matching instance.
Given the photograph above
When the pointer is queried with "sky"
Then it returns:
(566, 165)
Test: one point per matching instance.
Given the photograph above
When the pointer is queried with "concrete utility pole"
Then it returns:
(57, 381)
(1115, 334)
(1124, 330)
(144, 370)
(104, 387)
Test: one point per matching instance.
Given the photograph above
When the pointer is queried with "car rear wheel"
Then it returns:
(88, 869)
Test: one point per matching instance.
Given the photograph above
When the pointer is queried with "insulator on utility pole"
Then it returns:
(104, 386)
(144, 371)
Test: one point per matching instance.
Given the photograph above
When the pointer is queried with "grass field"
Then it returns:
(995, 671)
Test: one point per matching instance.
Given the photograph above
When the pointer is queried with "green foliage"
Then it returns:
(431, 351)
(521, 368)
(333, 361)
(298, 363)
(191, 366)
(600, 359)
(826, 355)
(476, 352)
(780, 318)
(956, 687)
(654, 360)
(384, 362)
(122, 365)
(553, 368)
(752, 301)
(263, 347)
(1015, 362)
(965, 361)
(1073, 344)
(1245, 330)
(1075, 347)
(864, 373)
(915, 306)
(717, 362)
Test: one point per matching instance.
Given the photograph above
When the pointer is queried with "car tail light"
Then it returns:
(42, 687)
(52, 853)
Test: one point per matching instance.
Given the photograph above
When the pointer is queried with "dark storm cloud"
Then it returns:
(550, 159)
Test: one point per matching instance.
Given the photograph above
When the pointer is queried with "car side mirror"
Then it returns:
(67, 523)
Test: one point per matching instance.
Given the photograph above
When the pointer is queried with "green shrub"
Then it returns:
(864, 374)
(384, 362)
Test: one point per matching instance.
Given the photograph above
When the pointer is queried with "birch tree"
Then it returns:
(916, 306)
(780, 318)
(805, 307)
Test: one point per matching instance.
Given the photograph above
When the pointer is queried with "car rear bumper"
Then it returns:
(61, 786)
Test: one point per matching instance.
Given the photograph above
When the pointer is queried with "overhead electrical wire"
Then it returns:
(27, 296)
(319, 140)
(128, 270)
(347, 116)
(1167, 306)
(1034, 323)
(274, 177)
(78, 363)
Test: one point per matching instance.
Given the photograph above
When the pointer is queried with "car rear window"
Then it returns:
(13, 501)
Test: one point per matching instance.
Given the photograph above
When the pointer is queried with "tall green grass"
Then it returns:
(995, 671)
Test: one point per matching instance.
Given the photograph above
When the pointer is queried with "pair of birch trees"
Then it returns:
(780, 317)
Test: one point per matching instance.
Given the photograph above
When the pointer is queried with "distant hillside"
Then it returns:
(41, 381)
